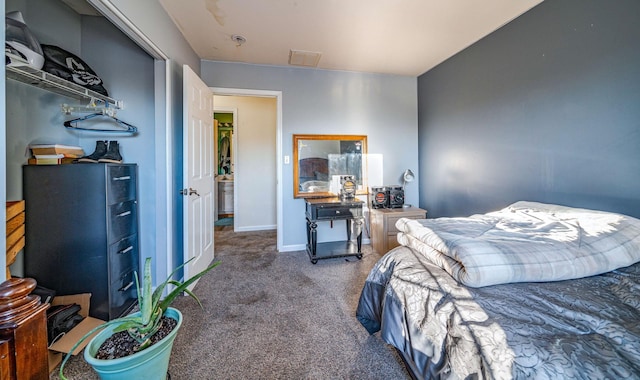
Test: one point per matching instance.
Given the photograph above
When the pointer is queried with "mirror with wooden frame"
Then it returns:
(318, 158)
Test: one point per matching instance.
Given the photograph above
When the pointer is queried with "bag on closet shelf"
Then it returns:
(65, 65)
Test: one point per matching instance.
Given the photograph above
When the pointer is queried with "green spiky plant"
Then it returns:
(152, 307)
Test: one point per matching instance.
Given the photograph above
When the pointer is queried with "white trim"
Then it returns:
(278, 96)
(113, 14)
(169, 176)
(294, 247)
(257, 228)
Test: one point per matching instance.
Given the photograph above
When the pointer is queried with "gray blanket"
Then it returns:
(587, 328)
(527, 241)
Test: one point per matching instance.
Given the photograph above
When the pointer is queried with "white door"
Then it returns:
(198, 171)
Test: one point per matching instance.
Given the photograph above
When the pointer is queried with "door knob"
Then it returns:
(191, 191)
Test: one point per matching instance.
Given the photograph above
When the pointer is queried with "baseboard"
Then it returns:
(255, 228)
(293, 247)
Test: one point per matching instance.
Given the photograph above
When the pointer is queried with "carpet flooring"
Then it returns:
(270, 315)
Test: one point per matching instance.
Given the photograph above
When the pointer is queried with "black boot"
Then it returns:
(113, 154)
(101, 150)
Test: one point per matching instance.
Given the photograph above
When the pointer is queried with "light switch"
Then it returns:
(286, 160)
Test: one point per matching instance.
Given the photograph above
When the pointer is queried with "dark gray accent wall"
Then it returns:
(547, 109)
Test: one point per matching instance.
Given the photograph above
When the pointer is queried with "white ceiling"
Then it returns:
(405, 37)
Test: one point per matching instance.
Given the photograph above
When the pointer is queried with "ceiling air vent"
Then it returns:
(304, 58)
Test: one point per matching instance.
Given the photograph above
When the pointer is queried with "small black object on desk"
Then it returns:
(330, 209)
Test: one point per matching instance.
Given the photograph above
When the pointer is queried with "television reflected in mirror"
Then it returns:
(317, 159)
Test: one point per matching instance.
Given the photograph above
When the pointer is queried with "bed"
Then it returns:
(530, 291)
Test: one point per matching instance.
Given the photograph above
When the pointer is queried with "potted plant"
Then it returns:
(150, 359)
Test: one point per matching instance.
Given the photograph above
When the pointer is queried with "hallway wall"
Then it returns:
(254, 143)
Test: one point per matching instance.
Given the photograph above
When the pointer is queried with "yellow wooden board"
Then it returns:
(15, 223)
(14, 208)
(13, 237)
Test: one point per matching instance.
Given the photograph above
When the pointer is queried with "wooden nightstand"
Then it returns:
(383, 225)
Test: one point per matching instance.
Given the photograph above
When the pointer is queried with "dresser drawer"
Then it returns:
(391, 227)
(384, 233)
(123, 257)
(391, 220)
(121, 183)
(392, 241)
(122, 294)
(122, 220)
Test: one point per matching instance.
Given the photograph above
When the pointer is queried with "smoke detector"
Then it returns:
(304, 58)
(238, 39)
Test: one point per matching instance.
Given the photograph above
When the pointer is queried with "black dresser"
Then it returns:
(82, 232)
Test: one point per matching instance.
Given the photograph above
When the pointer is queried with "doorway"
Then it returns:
(255, 156)
(225, 120)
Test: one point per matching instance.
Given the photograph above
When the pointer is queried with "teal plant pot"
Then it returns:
(151, 363)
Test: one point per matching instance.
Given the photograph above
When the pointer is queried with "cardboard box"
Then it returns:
(60, 347)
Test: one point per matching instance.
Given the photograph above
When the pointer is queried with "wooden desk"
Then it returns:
(330, 209)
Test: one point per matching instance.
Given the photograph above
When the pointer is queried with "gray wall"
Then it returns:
(34, 115)
(383, 107)
(544, 109)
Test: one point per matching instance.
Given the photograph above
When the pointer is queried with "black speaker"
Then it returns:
(347, 187)
(396, 196)
(379, 197)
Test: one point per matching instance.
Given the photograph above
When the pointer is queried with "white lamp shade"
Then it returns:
(408, 175)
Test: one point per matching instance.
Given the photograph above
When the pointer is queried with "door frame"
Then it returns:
(278, 96)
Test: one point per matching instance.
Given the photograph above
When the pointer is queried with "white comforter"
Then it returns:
(525, 242)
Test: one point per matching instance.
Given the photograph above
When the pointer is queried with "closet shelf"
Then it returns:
(52, 83)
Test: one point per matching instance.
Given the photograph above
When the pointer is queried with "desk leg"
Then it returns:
(359, 223)
(348, 229)
(312, 240)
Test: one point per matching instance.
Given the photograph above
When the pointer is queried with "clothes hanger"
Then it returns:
(128, 128)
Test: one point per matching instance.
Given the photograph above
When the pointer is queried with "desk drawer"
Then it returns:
(337, 212)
